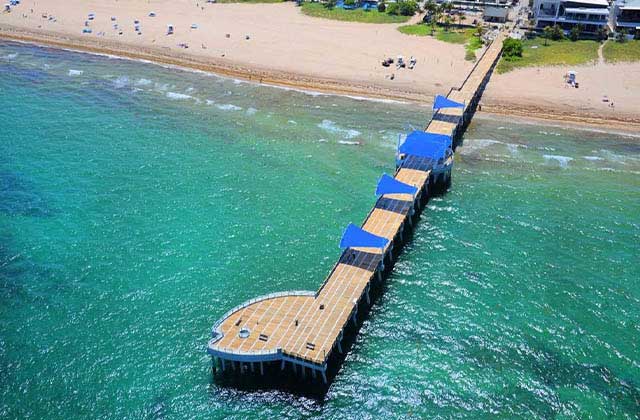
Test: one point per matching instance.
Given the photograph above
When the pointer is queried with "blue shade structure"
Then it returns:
(355, 237)
(444, 102)
(426, 137)
(389, 185)
(426, 149)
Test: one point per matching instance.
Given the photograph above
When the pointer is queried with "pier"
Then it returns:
(303, 331)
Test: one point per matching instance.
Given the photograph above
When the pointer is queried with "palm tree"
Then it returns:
(447, 22)
(461, 17)
(431, 8)
(547, 33)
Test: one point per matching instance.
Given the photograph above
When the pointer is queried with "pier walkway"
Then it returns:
(305, 328)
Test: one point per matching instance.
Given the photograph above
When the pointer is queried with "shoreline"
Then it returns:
(254, 74)
(306, 83)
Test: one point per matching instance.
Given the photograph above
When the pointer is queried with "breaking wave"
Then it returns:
(331, 127)
(143, 82)
(563, 161)
(121, 82)
(178, 96)
(228, 107)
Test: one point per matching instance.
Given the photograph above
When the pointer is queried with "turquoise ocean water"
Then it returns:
(139, 203)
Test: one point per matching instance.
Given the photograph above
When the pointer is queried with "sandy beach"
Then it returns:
(542, 92)
(284, 46)
(277, 44)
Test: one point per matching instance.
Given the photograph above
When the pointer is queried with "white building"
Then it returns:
(627, 15)
(591, 14)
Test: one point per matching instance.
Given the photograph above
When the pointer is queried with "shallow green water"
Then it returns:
(138, 204)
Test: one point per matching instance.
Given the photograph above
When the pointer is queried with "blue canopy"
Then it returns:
(389, 185)
(355, 237)
(426, 137)
(444, 102)
(427, 149)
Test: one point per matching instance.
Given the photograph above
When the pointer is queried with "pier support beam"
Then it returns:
(283, 364)
(324, 377)
(261, 369)
(222, 360)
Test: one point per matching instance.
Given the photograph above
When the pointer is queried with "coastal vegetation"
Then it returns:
(250, 1)
(439, 22)
(617, 52)
(468, 36)
(549, 52)
(329, 11)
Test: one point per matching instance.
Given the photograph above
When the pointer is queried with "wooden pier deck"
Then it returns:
(304, 328)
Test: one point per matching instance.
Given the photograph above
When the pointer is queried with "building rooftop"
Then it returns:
(588, 3)
(630, 5)
(598, 11)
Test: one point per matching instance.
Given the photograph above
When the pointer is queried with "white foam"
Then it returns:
(11, 56)
(563, 161)
(292, 122)
(330, 126)
(251, 111)
(614, 157)
(228, 107)
(162, 87)
(547, 133)
(349, 143)
(143, 82)
(513, 148)
(190, 89)
(593, 158)
(470, 145)
(178, 96)
(380, 100)
(210, 102)
(73, 72)
(120, 82)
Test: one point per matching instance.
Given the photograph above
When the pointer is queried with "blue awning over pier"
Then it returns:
(426, 137)
(355, 237)
(389, 185)
(426, 146)
(444, 102)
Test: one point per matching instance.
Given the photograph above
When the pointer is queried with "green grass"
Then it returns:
(417, 30)
(616, 52)
(453, 35)
(471, 47)
(556, 53)
(249, 1)
(356, 15)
